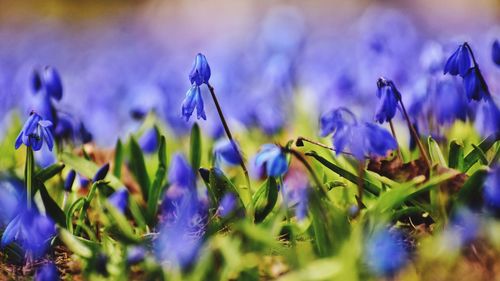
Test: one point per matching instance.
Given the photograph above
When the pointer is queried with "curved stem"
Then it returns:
(302, 139)
(228, 132)
(466, 44)
(29, 175)
(415, 135)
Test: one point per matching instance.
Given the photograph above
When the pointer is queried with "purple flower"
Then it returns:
(135, 255)
(339, 122)
(47, 272)
(70, 178)
(193, 100)
(475, 86)
(227, 205)
(200, 73)
(150, 140)
(48, 80)
(465, 225)
(273, 159)
(386, 253)
(296, 189)
(119, 199)
(488, 118)
(459, 62)
(491, 190)
(224, 150)
(389, 97)
(495, 52)
(35, 132)
(101, 173)
(31, 230)
(449, 103)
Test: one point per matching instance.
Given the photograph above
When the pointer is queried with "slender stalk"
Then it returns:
(29, 175)
(321, 145)
(85, 206)
(393, 131)
(228, 132)
(466, 44)
(415, 135)
(361, 175)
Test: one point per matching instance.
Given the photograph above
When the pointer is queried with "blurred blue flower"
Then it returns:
(389, 97)
(84, 181)
(488, 118)
(193, 99)
(377, 141)
(386, 253)
(68, 182)
(11, 194)
(31, 230)
(227, 205)
(224, 150)
(44, 107)
(200, 73)
(296, 186)
(44, 157)
(448, 103)
(459, 62)
(47, 272)
(119, 199)
(491, 190)
(101, 173)
(465, 225)
(150, 140)
(475, 86)
(48, 80)
(181, 173)
(35, 132)
(64, 128)
(135, 255)
(273, 159)
(339, 122)
(85, 135)
(495, 52)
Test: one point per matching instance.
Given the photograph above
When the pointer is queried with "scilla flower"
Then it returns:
(224, 150)
(200, 74)
(101, 173)
(150, 140)
(227, 205)
(495, 52)
(119, 199)
(386, 253)
(48, 80)
(273, 159)
(339, 122)
(389, 97)
(459, 62)
(70, 178)
(35, 132)
(475, 86)
(47, 272)
(491, 190)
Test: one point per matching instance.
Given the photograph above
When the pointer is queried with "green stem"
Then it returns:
(415, 135)
(85, 206)
(29, 175)
(393, 131)
(228, 132)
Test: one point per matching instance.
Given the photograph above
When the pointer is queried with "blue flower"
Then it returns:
(64, 127)
(495, 52)
(227, 205)
(200, 73)
(135, 255)
(44, 157)
(459, 62)
(193, 99)
(35, 132)
(70, 178)
(386, 253)
(47, 272)
(10, 197)
(273, 159)
(465, 225)
(49, 81)
(101, 173)
(150, 140)
(373, 140)
(296, 186)
(339, 122)
(224, 150)
(31, 230)
(389, 97)
(181, 173)
(84, 181)
(119, 199)
(475, 86)
(85, 135)
(449, 103)
(491, 190)
(488, 118)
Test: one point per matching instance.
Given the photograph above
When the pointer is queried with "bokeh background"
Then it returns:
(117, 58)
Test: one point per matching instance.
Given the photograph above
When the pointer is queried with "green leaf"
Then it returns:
(139, 167)
(75, 245)
(369, 184)
(87, 168)
(71, 210)
(117, 164)
(480, 154)
(435, 153)
(472, 157)
(51, 206)
(195, 151)
(456, 156)
(265, 198)
(471, 192)
(125, 230)
(156, 187)
(49, 172)
(219, 185)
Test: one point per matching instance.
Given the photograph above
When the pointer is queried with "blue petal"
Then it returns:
(495, 52)
(189, 102)
(10, 233)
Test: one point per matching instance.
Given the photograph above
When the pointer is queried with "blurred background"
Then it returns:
(120, 59)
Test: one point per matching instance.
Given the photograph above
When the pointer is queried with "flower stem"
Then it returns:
(466, 44)
(29, 175)
(228, 132)
(415, 135)
(302, 139)
(361, 175)
(85, 206)
(393, 131)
